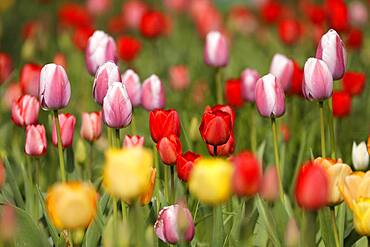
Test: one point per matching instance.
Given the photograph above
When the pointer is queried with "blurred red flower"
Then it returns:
(337, 14)
(74, 15)
(153, 24)
(354, 38)
(297, 79)
(341, 104)
(116, 24)
(271, 11)
(81, 36)
(354, 82)
(128, 48)
(289, 31)
(233, 92)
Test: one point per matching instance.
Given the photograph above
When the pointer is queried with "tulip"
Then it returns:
(271, 11)
(133, 86)
(127, 172)
(168, 149)
(341, 104)
(106, 74)
(224, 108)
(29, 79)
(67, 125)
(216, 51)
(282, 68)
(312, 187)
(5, 67)
(242, 20)
(185, 163)
(354, 83)
(98, 7)
(174, 224)
(233, 93)
(8, 223)
(117, 108)
(318, 81)
(289, 31)
(153, 24)
(71, 205)
(81, 37)
(146, 197)
(270, 97)
(358, 14)
(224, 150)
(176, 5)
(210, 180)
(163, 123)
(297, 78)
(331, 50)
(360, 156)
(153, 95)
(60, 59)
(247, 174)
(269, 189)
(91, 126)
(128, 48)
(355, 38)
(179, 77)
(25, 111)
(100, 49)
(249, 79)
(132, 12)
(12, 93)
(133, 141)
(36, 143)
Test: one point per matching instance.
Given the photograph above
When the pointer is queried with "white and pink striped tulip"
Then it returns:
(153, 94)
(133, 86)
(216, 50)
(249, 79)
(282, 67)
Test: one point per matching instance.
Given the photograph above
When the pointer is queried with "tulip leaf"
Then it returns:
(13, 184)
(352, 238)
(70, 165)
(326, 227)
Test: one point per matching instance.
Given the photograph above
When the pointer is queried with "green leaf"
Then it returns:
(13, 184)
(326, 227)
(70, 165)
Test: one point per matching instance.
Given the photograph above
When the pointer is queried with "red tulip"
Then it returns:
(164, 123)
(269, 189)
(289, 31)
(29, 79)
(11, 94)
(338, 15)
(355, 38)
(29, 29)
(224, 108)
(233, 92)
(25, 111)
(224, 150)
(67, 125)
(74, 15)
(271, 11)
(168, 149)
(153, 24)
(81, 36)
(91, 126)
(341, 104)
(316, 14)
(297, 79)
(242, 19)
(184, 164)
(312, 187)
(354, 83)
(36, 143)
(5, 67)
(128, 48)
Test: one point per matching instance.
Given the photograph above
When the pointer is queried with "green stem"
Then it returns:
(331, 129)
(157, 183)
(219, 95)
(253, 130)
(115, 221)
(110, 143)
(322, 127)
(335, 229)
(308, 235)
(172, 184)
(217, 233)
(166, 190)
(60, 147)
(91, 158)
(30, 194)
(133, 124)
(117, 138)
(124, 211)
(277, 159)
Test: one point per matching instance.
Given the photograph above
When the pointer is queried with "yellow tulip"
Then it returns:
(71, 205)
(336, 171)
(210, 180)
(147, 195)
(127, 172)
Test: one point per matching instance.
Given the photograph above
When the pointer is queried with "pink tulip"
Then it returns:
(36, 143)
(317, 81)
(282, 68)
(133, 141)
(106, 74)
(270, 97)
(132, 11)
(357, 13)
(173, 221)
(177, 5)
(25, 111)
(117, 108)
(249, 79)
(98, 7)
(55, 90)
(153, 94)
(216, 51)
(91, 126)
(100, 49)
(179, 77)
(11, 94)
(67, 126)
(133, 86)
(331, 50)
(269, 189)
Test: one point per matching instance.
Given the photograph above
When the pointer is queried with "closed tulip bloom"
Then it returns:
(269, 189)
(127, 172)
(55, 89)
(71, 205)
(67, 126)
(29, 79)
(100, 49)
(216, 51)
(224, 150)
(117, 108)
(249, 78)
(174, 224)
(168, 149)
(105, 76)
(91, 126)
(317, 80)
(179, 77)
(133, 86)
(270, 97)
(153, 95)
(146, 197)
(25, 111)
(133, 141)
(185, 163)
(36, 143)
(163, 123)
(331, 50)
(360, 156)
(282, 68)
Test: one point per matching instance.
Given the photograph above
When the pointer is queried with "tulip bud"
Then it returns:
(133, 86)
(36, 143)
(179, 77)
(55, 90)
(270, 97)
(100, 49)
(216, 51)
(25, 111)
(91, 126)
(312, 187)
(163, 123)
(249, 79)
(5, 67)
(67, 125)
(133, 141)
(360, 156)
(117, 108)
(224, 150)
(292, 233)
(153, 94)
(282, 68)
(153, 24)
(269, 189)
(317, 81)
(29, 79)
(174, 224)
(331, 50)
(168, 149)
(106, 74)
(185, 163)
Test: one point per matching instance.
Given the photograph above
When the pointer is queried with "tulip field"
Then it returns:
(184, 123)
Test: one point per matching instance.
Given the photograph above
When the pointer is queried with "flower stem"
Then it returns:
(172, 184)
(331, 129)
(277, 159)
(335, 229)
(91, 158)
(253, 130)
(60, 147)
(219, 96)
(217, 233)
(322, 126)
(166, 190)
(308, 234)
(117, 138)
(115, 221)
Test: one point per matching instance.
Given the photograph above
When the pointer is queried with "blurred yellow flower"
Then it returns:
(147, 195)
(127, 172)
(356, 192)
(336, 171)
(210, 180)
(71, 205)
